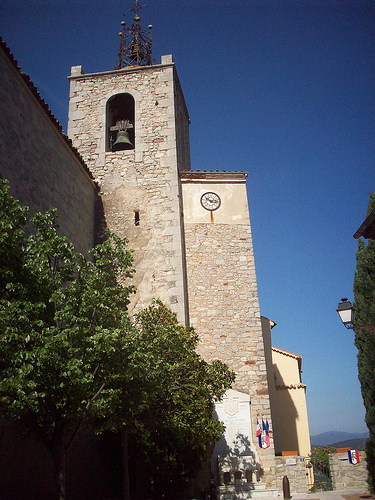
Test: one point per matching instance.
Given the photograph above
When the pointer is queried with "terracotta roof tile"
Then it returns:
(286, 353)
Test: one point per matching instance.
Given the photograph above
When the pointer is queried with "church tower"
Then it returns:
(190, 230)
(131, 126)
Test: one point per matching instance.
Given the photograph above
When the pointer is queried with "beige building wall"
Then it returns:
(143, 180)
(291, 425)
(223, 296)
(287, 397)
(42, 168)
(231, 188)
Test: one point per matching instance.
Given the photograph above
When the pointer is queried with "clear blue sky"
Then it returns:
(282, 89)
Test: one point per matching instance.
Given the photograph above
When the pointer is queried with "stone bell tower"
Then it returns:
(190, 230)
(131, 126)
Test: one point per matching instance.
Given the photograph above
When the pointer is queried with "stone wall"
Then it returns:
(346, 475)
(294, 468)
(143, 180)
(224, 308)
(42, 168)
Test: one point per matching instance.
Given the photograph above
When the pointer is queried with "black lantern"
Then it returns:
(346, 312)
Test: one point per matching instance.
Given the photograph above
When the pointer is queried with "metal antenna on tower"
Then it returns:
(135, 43)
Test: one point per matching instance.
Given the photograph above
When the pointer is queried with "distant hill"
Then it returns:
(333, 438)
(353, 444)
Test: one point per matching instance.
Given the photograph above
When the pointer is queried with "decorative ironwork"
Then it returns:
(135, 43)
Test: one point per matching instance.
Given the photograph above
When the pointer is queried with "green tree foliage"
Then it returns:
(62, 324)
(320, 456)
(12, 239)
(182, 387)
(70, 357)
(364, 297)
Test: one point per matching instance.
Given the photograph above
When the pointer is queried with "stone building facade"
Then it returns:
(223, 296)
(190, 230)
(140, 187)
(198, 260)
(43, 169)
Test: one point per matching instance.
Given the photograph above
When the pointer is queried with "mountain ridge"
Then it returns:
(332, 437)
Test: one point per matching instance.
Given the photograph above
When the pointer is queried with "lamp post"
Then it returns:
(345, 310)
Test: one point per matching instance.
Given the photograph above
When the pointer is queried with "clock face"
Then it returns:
(210, 201)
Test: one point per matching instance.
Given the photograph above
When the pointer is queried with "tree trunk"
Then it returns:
(58, 452)
(125, 466)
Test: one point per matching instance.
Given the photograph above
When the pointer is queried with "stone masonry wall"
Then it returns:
(295, 471)
(224, 308)
(143, 180)
(346, 475)
(42, 169)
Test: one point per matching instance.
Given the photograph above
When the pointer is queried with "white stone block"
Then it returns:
(76, 71)
(167, 59)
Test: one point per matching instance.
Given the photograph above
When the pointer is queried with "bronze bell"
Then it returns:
(122, 141)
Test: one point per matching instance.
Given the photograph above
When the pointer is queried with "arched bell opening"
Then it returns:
(120, 123)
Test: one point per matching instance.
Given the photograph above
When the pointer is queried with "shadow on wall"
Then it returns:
(237, 461)
(242, 446)
(100, 223)
(285, 417)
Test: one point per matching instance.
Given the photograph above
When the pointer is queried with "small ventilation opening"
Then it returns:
(136, 218)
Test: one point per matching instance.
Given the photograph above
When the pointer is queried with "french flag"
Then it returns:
(259, 434)
(353, 456)
(266, 428)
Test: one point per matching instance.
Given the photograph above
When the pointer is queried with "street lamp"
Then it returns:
(346, 313)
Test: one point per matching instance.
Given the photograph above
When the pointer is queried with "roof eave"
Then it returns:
(367, 228)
